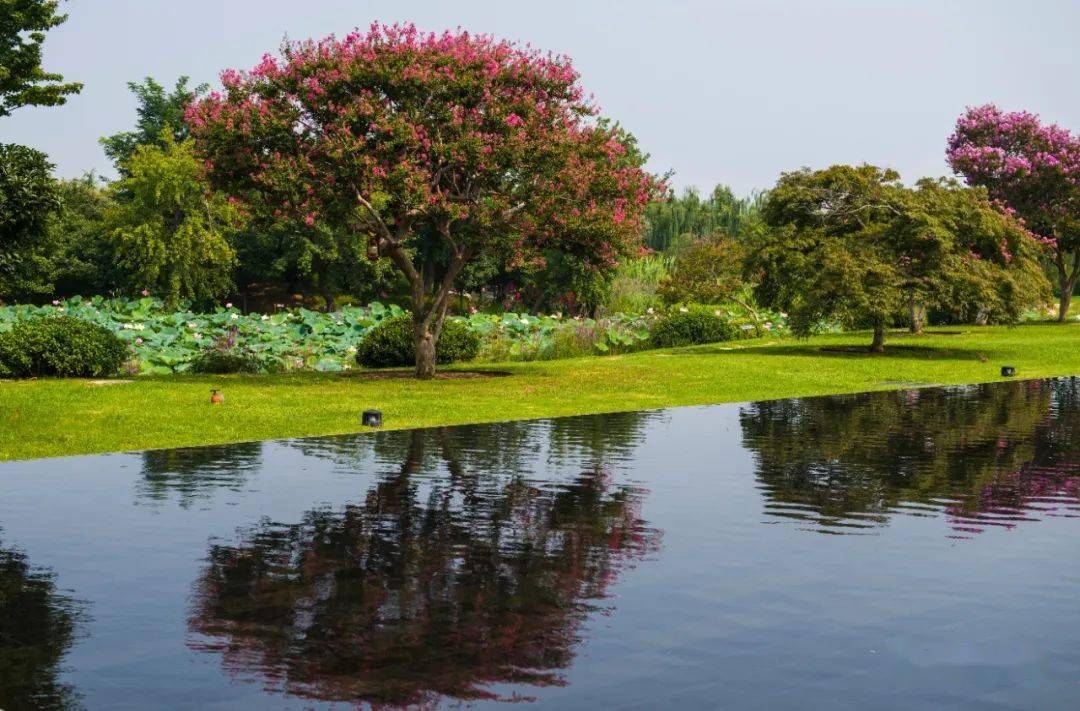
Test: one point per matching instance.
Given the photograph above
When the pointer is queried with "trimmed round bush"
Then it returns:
(217, 361)
(60, 345)
(391, 344)
(690, 326)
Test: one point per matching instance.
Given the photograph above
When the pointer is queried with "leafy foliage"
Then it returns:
(691, 325)
(23, 81)
(79, 253)
(169, 232)
(391, 343)
(172, 341)
(852, 244)
(168, 341)
(982, 267)
(525, 337)
(635, 285)
(29, 198)
(63, 346)
(708, 270)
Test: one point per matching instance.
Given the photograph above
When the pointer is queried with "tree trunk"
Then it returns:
(878, 346)
(917, 316)
(328, 295)
(425, 352)
(1067, 283)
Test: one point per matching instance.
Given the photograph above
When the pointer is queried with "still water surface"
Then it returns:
(914, 549)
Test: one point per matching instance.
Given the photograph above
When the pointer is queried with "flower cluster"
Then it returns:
(391, 131)
(1030, 167)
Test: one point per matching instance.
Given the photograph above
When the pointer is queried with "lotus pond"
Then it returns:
(165, 341)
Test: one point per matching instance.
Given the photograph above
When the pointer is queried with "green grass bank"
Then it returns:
(43, 418)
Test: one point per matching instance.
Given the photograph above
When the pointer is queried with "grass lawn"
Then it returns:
(42, 418)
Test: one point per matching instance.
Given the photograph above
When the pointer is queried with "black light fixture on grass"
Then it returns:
(372, 418)
(1007, 371)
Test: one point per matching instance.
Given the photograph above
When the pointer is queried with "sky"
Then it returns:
(728, 91)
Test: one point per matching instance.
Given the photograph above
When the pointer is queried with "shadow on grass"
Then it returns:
(409, 374)
(901, 351)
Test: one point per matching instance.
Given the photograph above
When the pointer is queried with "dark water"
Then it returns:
(916, 549)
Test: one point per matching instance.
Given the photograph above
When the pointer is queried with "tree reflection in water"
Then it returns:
(38, 623)
(193, 474)
(456, 572)
(992, 455)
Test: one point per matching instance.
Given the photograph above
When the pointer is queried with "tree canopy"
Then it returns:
(158, 110)
(23, 81)
(854, 245)
(430, 149)
(28, 198)
(169, 233)
(1033, 169)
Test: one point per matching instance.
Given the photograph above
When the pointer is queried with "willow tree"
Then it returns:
(431, 149)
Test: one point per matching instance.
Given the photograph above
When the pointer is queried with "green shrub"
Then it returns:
(226, 356)
(61, 346)
(216, 361)
(687, 326)
(635, 285)
(391, 343)
(706, 270)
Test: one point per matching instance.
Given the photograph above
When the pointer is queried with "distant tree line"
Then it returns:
(686, 216)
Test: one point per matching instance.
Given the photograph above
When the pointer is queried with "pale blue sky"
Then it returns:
(728, 91)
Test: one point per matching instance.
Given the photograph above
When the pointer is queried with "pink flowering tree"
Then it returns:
(1032, 169)
(431, 149)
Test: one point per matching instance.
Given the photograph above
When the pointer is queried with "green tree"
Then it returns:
(28, 198)
(78, 240)
(170, 234)
(158, 110)
(23, 81)
(70, 254)
(708, 270)
(852, 244)
(965, 258)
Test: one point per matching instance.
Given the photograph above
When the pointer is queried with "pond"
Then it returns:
(910, 549)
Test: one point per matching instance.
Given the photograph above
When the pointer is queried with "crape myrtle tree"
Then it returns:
(853, 244)
(431, 149)
(1034, 170)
